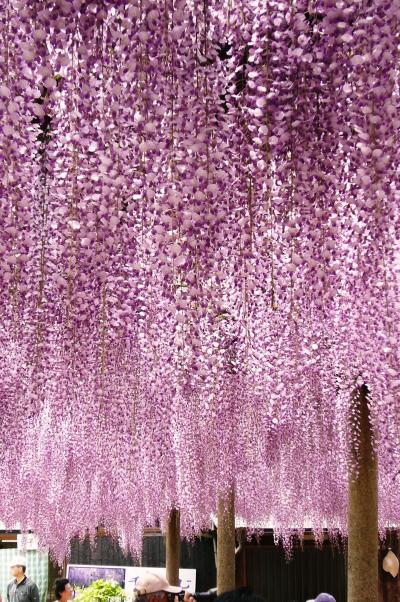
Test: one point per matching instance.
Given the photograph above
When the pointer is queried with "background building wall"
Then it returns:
(310, 571)
(198, 555)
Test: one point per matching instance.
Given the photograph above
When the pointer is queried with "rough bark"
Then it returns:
(226, 543)
(173, 547)
(363, 508)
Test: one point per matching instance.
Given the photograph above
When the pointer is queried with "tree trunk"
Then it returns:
(363, 508)
(226, 543)
(173, 547)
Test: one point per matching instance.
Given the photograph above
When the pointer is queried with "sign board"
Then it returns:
(27, 542)
(187, 577)
(82, 575)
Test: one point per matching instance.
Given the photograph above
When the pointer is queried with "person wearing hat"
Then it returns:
(323, 598)
(21, 588)
(153, 588)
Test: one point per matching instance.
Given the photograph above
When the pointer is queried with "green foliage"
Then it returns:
(101, 591)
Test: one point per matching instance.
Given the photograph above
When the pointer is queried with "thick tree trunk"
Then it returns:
(173, 547)
(363, 509)
(226, 543)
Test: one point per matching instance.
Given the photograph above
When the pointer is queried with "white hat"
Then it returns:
(150, 583)
(18, 561)
(391, 563)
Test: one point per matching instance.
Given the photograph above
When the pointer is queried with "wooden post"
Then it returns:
(363, 508)
(226, 578)
(173, 547)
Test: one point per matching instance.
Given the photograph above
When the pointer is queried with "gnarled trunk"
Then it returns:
(173, 547)
(226, 543)
(363, 508)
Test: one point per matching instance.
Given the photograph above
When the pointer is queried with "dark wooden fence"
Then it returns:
(263, 566)
(309, 572)
(198, 555)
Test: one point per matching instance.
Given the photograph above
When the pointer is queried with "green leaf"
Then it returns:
(101, 591)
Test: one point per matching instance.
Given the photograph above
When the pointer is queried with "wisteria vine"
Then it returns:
(199, 238)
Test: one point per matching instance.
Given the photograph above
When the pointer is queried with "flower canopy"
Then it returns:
(199, 229)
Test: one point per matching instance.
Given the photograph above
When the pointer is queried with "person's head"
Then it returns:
(63, 590)
(18, 567)
(242, 594)
(324, 598)
(153, 588)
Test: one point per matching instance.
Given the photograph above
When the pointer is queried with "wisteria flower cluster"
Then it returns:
(199, 238)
